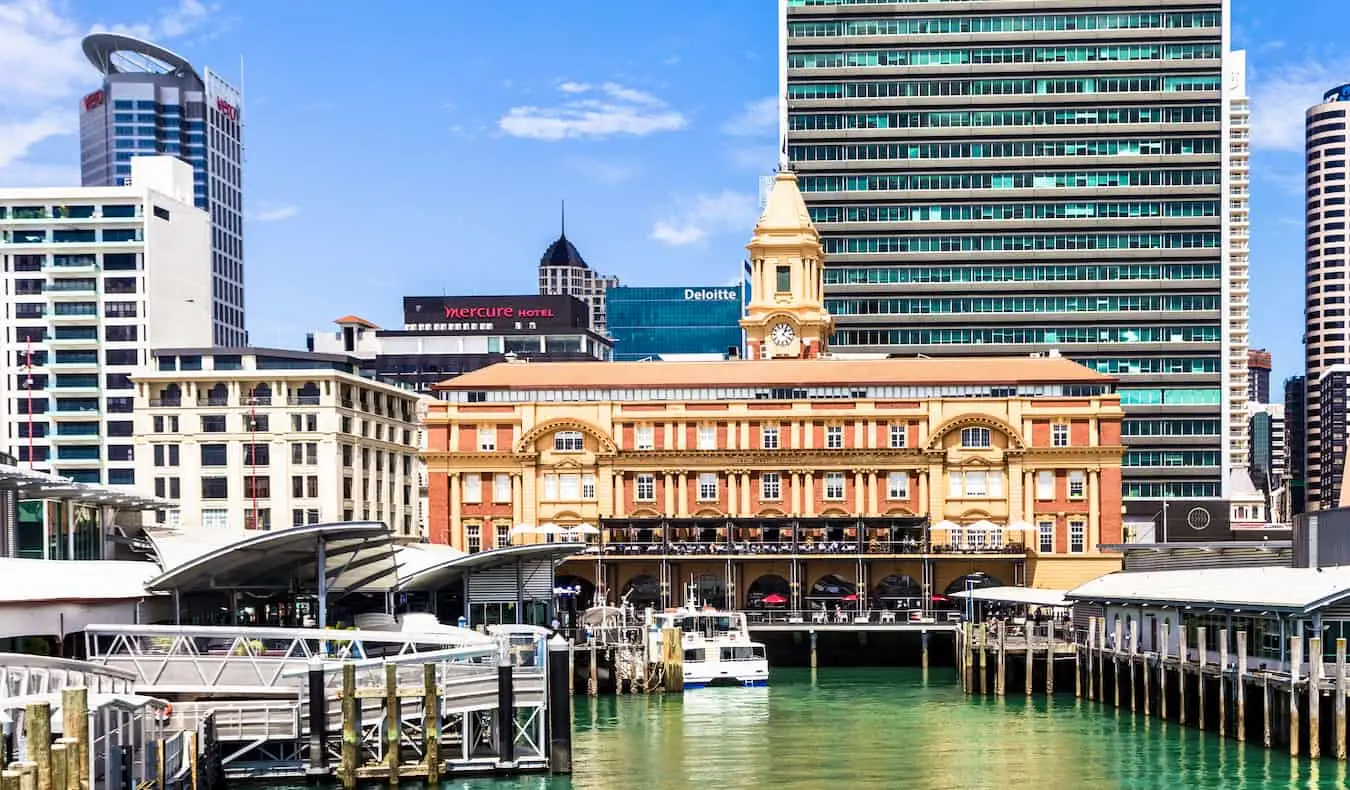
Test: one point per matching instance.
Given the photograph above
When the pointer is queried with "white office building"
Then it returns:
(255, 438)
(94, 277)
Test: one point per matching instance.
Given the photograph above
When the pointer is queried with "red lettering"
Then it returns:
(486, 311)
(93, 100)
(227, 109)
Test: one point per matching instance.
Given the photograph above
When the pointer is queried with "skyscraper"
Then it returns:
(1326, 271)
(1296, 437)
(1013, 179)
(153, 101)
(563, 272)
(1258, 375)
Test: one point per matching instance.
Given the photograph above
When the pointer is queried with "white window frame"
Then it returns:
(1045, 485)
(1077, 537)
(897, 485)
(501, 535)
(647, 481)
(899, 435)
(707, 437)
(834, 486)
(473, 538)
(977, 438)
(1045, 534)
(473, 488)
(644, 437)
(770, 486)
(588, 486)
(1059, 434)
(834, 437)
(568, 442)
(550, 487)
(215, 518)
(487, 440)
(569, 487)
(501, 488)
(1077, 488)
(707, 487)
(976, 483)
(768, 437)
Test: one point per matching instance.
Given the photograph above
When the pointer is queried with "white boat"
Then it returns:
(718, 650)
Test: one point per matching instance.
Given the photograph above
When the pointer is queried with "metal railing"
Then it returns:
(849, 617)
(24, 675)
(827, 548)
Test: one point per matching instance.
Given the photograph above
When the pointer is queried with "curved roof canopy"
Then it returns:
(115, 53)
(441, 574)
(289, 558)
(39, 485)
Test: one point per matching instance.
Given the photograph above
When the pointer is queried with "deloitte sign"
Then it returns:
(711, 295)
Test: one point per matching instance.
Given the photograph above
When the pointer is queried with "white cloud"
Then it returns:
(694, 221)
(1281, 98)
(760, 117)
(270, 213)
(593, 111)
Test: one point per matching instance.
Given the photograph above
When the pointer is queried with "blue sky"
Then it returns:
(424, 146)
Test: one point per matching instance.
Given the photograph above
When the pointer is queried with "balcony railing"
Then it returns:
(160, 403)
(213, 400)
(802, 548)
(255, 400)
(306, 400)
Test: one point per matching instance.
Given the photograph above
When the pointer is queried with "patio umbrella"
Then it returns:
(522, 529)
(850, 597)
(945, 526)
(550, 529)
(1022, 526)
(585, 529)
(983, 525)
(774, 599)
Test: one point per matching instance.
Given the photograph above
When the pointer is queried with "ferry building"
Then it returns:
(791, 477)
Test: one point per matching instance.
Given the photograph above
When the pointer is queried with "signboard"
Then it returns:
(483, 313)
(93, 101)
(228, 110)
(1337, 94)
(711, 294)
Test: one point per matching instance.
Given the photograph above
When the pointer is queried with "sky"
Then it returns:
(426, 147)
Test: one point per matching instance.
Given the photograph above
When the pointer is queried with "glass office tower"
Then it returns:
(153, 101)
(648, 323)
(1008, 178)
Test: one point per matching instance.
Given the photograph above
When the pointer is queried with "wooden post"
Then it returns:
(1134, 654)
(1202, 648)
(1241, 688)
(1101, 664)
(351, 728)
(1118, 633)
(27, 774)
(1001, 668)
(1031, 664)
(672, 659)
(1295, 669)
(1144, 671)
(1050, 659)
(393, 723)
(37, 733)
(1162, 669)
(593, 682)
(431, 718)
(1223, 682)
(1077, 666)
(1315, 697)
(75, 724)
(60, 764)
(9, 780)
(193, 750)
(967, 657)
(1265, 708)
(984, 649)
(923, 638)
(1183, 653)
(1340, 699)
(1087, 650)
(814, 659)
(72, 762)
(161, 766)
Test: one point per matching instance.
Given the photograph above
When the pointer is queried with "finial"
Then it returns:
(564, 219)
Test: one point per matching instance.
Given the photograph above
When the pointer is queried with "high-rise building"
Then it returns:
(1015, 178)
(1258, 375)
(664, 323)
(1267, 457)
(563, 272)
(153, 101)
(1296, 438)
(1327, 267)
(94, 277)
(1333, 399)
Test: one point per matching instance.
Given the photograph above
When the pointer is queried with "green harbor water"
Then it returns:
(887, 728)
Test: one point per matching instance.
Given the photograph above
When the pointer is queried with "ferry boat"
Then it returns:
(718, 650)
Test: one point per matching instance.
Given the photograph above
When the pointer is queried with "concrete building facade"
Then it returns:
(95, 277)
(257, 438)
(563, 272)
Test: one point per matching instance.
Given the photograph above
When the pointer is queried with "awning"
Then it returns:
(439, 575)
(1027, 596)
(27, 581)
(32, 484)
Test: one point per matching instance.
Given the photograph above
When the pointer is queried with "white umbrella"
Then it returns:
(522, 529)
(1023, 526)
(550, 529)
(983, 525)
(585, 529)
(945, 526)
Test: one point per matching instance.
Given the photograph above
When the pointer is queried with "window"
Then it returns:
(588, 486)
(707, 437)
(487, 439)
(1045, 535)
(257, 487)
(166, 455)
(304, 453)
(975, 483)
(770, 485)
(707, 487)
(897, 485)
(214, 454)
(769, 439)
(1045, 485)
(216, 518)
(473, 538)
(834, 437)
(502, 534)
(166, 424)
(1077, 537)
(257, 454)
(215, 488)
(834, 485)
(473, 488)
(644, 438)
(1059, 435)
(783, 279)
(568, 442)
(975, 437)
(1077, 486)
(307, 423)
(645, 488)
(569, 487)
(301, 516)
(213, 423)
(501, 488)
(255, 423)
(550, 487)
(898, 434)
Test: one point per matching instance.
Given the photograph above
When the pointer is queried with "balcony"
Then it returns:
(166, 403)
(73, 317)
(213, 400)
(253, 400)
(308, 400)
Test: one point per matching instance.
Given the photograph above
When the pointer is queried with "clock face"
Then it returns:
(782, 334)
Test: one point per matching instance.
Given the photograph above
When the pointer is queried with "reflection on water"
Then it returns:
(887, 728)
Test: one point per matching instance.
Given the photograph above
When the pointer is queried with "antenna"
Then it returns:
(564, 219)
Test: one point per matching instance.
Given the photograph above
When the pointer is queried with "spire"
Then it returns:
(563, 234)
(785, 209)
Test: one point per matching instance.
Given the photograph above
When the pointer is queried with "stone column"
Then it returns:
(1094, 526)
(733, 501)
(517, 501)
(746, 507)
(682, 494)
(859, 492)
(873, 496)
(794, 505)
(669, 497)
(452, 535)
(530, 496)
(1029, 495)
(924, 505)
(808, 494)
(617, 506)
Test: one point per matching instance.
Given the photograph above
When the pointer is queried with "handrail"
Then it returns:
(264, 632)
(50, 662)
(409, 658)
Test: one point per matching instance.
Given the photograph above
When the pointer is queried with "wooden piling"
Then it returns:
(1049, 660)
(923, 638)
(1101, 663)
(983, 683)
(1001, 669)
(60, 764)
(1162, 669)
(1183, 652)
(9, 780)
(1031, 665)
(351, 728)
(593, 682)
(1340, 699)
(75, 724)
(72, 762)
(1265, 708)
(1315, 697)
(1241, 688)
(1118, 634)
(672, 659)
(1134, 653)
(431, 719)
(37, 734)
(1295, 669)
(1144, 672)
(1088, 649)
(967, 657)
(1223, 682)
(161, 766)
(1202, 652)
(393, 723)
(27, 774)
(1077, 673)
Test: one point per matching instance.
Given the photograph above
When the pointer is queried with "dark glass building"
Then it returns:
(648, 323)
(1295, 431)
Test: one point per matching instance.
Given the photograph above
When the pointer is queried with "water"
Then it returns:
(886, 728)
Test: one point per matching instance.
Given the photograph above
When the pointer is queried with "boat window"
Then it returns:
(691, 656)
(740, 653)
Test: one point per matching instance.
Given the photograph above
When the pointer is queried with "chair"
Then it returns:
(818, 616)
(887, 616)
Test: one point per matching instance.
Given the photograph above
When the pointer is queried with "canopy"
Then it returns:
(1029, 596)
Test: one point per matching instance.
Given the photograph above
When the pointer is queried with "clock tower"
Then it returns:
(786, 317)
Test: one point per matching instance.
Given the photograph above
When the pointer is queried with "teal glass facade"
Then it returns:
(1009, 178)
(649, 322)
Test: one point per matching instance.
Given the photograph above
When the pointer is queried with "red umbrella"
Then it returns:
(774, 599)
(850, 597)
